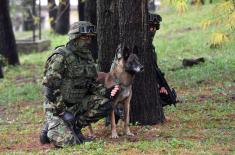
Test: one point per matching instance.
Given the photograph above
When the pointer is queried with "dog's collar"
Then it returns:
(117, 79)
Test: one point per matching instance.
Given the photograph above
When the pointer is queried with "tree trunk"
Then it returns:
(91, 16)
(81, 11)
(7, 39)
(131, 30)
(52, 9)
(62, 20)
(107, 32)
(146, 108)
(1, 72)
(90, 11)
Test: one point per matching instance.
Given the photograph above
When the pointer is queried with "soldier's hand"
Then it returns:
(115, 90)
(112, 92)
(163, 90)
(67, 116)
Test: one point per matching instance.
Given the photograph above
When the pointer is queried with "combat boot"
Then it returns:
(79, 134)
(43, 134)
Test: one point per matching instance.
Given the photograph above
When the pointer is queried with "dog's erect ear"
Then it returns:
(126, 52)
(118, 53)
(135, 50)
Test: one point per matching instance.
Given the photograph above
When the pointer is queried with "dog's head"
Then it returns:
(128, 60)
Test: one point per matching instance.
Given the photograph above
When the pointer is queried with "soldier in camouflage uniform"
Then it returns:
(72, 94)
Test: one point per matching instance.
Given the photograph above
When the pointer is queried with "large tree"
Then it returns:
(145, 104)
(131, 30)
(62, 19)
(107, 32)
(7, 39)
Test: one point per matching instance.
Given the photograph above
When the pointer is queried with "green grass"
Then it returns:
(202, 124)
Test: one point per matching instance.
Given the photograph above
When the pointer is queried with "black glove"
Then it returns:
(51, 94)
(68, 117)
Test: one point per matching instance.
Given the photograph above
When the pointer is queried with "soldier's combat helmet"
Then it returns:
(81, 28)
(154, 20)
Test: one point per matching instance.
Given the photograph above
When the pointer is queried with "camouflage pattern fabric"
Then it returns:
(89, 111)
(58, 132)
(68, 71)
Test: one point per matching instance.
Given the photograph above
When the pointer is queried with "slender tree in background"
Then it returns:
(81, 7)
(90, 11)
(1, 72)
(52, 9)
(107, 32)
(7, 39)
(91, 16)
(62, 19)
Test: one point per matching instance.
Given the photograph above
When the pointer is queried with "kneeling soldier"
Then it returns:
(73, 97)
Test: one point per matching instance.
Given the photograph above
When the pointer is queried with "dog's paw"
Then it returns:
(114, 136)
(129, 134)
(92, 136)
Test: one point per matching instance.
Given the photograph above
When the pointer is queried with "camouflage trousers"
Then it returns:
(89, 110)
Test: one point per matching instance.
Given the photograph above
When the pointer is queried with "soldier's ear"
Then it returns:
(135, 50)
(126, 52)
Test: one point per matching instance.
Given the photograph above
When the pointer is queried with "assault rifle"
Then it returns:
(69, 120)
(171, 97)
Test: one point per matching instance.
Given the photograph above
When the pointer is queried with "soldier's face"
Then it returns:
(153, 29)
(84, 41)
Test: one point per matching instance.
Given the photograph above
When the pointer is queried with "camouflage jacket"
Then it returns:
(71, 76)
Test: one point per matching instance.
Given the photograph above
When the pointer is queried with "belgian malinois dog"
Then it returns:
(125, 65)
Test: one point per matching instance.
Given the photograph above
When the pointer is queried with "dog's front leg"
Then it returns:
(113, 126)
(127, 116)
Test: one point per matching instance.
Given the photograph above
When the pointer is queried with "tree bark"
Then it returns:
(91, 16)
(81, 7)
(131, 30)
(7, 39)
(107, 32)
(62, 20)
(90, 11)
(1, 72)
(146, 108)
(52, 9)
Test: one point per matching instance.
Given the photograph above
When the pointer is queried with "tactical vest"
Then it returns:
(78, 72)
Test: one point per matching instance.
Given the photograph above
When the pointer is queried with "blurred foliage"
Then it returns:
(181, 5)
(224, 14)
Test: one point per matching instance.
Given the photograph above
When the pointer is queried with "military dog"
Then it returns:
(125, 65)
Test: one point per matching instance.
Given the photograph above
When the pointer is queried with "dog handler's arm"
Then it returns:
(52, 81)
